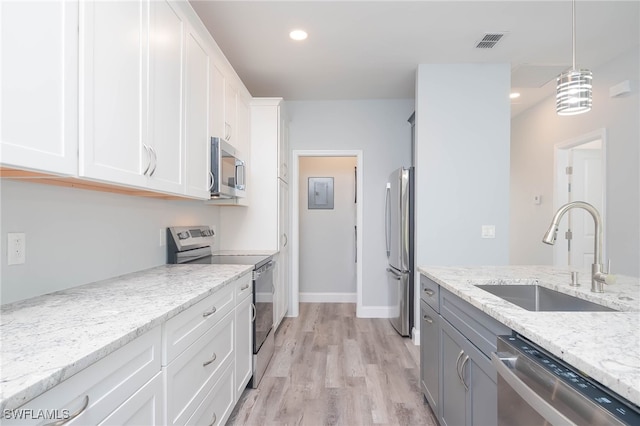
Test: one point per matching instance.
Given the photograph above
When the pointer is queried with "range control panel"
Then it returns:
(190, 237)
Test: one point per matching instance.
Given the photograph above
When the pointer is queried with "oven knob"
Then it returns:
(183, 235)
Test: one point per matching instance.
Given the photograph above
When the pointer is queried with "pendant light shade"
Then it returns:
(574, 88)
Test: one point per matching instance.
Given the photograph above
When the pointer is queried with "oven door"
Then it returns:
(263, 302)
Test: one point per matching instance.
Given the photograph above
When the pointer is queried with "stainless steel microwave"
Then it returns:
(227, 170)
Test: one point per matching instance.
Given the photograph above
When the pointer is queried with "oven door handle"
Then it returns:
(504, 362)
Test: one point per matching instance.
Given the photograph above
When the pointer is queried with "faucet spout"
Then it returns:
(597, 276)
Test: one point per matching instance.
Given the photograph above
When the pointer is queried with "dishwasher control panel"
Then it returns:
(590, 389)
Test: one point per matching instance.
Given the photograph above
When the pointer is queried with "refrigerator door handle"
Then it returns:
(387, 225)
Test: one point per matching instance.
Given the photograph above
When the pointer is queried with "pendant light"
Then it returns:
(573, 91)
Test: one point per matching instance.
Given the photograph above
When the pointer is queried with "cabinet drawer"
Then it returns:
(194, 372)
(145, 407)
(429, 292)
(186, 327)
(474, 324)
(218, 404)
(105, 385)
(243, 287)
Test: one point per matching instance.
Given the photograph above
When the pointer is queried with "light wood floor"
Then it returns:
(331, 368)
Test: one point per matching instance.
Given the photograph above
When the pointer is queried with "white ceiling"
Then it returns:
(371, 49)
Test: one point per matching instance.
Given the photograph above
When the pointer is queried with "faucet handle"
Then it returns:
(609, 278)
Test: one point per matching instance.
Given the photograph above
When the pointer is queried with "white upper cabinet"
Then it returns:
(39, 93)
(113, 92)
(166, 52)
(230, 113)
(217, 99)
(198, 146)
(283, 146)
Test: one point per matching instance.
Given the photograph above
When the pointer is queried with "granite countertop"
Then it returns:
(603, 345)
(245, 252)
(49, 338)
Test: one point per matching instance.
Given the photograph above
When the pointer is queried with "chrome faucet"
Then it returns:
(598, 276)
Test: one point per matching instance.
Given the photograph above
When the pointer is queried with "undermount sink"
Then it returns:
(537, 298)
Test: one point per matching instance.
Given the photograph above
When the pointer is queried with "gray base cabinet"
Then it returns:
(456, 374)
(430, 354)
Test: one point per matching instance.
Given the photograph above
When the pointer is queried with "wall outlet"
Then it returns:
(488, 231)
(16, 248)
(163, 237)
(213, 228)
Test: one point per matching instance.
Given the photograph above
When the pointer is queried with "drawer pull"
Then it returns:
(243, 288)
(428, 291)
(211, 312)
(204, 364)
(428, 319)
(73, 416)
(213, 421)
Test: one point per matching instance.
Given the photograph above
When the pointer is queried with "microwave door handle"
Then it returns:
(239, 176)
(503, 363)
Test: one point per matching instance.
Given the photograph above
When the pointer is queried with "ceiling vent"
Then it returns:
(489, 40)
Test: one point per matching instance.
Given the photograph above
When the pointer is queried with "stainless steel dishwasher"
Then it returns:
(535, 388)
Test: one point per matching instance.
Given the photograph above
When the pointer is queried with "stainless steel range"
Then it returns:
(192, 245)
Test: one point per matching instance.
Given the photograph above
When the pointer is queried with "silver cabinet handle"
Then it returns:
(204, 364)
(210, 181)
(429, 292)
(464, 362)
(155, 161)
(253, 312)
(243, 288)
(286, 240)
(458, 364)
(73, 416)
(428, 319)
(395, 275)
(213, 421)
(209, 313)
(227, 131)
(149, 155)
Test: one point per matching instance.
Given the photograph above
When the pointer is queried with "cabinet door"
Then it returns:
(39, 85)
(484, 393)
(283, 147)
(230, 113)
(198, 148)
(145, 407)
(430, 354)
(282, 284)
(453, 411)
(113, 92)
(217, 100)
(244, 346)
(166, 45)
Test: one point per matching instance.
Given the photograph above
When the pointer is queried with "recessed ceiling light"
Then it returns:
(298, 35)
(514, 95)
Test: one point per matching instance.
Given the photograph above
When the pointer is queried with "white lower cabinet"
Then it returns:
(95, 393)
(218, 403)
(145, 407)
(244, 336)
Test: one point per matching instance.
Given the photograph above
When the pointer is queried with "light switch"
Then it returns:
(488, 231)
(16, 248)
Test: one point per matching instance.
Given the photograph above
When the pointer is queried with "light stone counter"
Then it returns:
(49, 338)
(603, 345)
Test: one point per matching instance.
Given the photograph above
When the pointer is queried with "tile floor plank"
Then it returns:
(331, 368)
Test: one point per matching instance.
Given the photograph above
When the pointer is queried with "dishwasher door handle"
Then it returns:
(504, 362)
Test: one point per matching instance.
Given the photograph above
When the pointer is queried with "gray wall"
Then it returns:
(327, 236)
(462, 163)
(534, 134)
(76, 236)
(380, 129)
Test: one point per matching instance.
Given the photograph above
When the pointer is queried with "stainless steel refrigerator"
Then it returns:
(399, 238)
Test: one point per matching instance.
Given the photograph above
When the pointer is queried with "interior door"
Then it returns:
(586, 185)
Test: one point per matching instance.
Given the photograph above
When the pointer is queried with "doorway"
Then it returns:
(327, 259)
(580, 175)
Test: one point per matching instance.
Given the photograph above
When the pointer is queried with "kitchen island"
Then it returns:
(603, 345)
(50, 338)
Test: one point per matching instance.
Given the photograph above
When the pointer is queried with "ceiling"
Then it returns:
(371, 49)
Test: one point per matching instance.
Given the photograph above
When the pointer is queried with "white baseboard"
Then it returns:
(376, 312)
(415, 336)
(328, 298)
